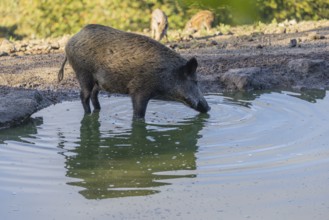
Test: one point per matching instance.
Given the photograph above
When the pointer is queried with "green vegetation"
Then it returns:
(52, 18)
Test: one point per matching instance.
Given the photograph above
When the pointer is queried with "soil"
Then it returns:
(289, 55)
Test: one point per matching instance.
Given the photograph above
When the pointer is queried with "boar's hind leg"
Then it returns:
(86, 84)
(94, 97)
(85, 99)
(87, 92)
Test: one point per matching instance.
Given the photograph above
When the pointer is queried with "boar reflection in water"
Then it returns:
(127, 63)
(130, 163)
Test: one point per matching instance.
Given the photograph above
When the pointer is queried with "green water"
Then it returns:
(255, 155)
(126, 164)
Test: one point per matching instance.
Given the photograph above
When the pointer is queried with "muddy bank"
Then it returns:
(17, 104)
(254, 60)
(291, 60)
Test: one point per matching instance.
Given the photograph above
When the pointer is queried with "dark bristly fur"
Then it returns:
(120, 62)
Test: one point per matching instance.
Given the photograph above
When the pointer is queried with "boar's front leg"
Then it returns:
(139, 102)
(141, 90)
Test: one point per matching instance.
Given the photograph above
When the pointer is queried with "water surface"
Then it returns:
(255, 155)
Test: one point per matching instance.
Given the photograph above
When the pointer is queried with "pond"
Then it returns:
(254, 156)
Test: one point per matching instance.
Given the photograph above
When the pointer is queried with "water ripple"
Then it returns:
(275, 131)
(106, 155)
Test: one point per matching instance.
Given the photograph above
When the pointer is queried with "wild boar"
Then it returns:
(127, 63)
(159, 24)
(201, 20)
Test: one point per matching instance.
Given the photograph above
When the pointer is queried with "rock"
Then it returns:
(62, 41)
(213, 43)
(287, 23)
(308, 67)
(54, 46)
(3, 54)
(293, 43)
(22, 46)
(42, 47)
(308, 73)
(293, 22)
(315, 36)
(245, 79)
(173, 46)
(18, 105)
(218, 33)
(7, 46)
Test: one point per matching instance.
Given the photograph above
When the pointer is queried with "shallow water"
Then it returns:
(254, 156)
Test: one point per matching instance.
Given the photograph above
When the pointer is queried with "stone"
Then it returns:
(309, 67)
(21, 47)
(62, 41)
(251, 78)
(18, 105)
(293, 43)
(54, 46)
(316, 36)
(3, 54)
(7, 46)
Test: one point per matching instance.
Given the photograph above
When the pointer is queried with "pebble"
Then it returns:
(293, 43)
(316, 36)
(8, 47)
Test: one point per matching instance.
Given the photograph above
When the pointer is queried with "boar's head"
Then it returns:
(186, 89)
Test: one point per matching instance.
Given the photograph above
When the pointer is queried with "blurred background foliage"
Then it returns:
(53, 18)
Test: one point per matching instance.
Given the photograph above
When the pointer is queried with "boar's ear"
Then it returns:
(191, 66)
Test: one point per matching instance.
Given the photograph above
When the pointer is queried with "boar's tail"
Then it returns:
(61, 71)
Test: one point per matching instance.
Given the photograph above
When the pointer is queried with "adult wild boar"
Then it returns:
(127, 63)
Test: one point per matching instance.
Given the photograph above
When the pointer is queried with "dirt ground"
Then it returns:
(270, 49)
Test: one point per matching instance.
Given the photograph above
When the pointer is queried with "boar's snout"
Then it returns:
(198, 105)
(203, 107)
